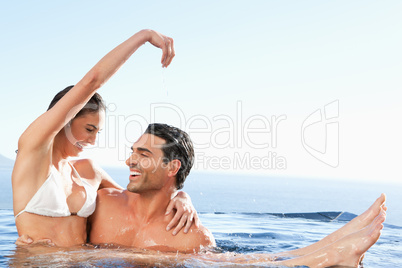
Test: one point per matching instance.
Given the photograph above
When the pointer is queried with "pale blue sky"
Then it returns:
(277, 58)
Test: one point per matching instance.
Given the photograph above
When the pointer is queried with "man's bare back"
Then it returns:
(119, 220)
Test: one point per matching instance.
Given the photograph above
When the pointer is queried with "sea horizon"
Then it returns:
(259, 193)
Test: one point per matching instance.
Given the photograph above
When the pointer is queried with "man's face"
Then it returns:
(148, 172)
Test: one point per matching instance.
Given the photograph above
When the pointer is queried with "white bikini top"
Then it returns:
(50, 199)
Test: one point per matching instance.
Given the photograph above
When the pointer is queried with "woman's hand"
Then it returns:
(185, 213)
(25, 240)
(163, 42)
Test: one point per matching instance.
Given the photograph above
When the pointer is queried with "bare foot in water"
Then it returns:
(362, 220)
(368, 216)
(354, 225)
(347, 251)
(351, 248)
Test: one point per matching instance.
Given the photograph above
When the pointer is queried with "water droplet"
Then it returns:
(164, 88)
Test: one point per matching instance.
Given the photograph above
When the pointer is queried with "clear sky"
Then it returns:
(289, 88)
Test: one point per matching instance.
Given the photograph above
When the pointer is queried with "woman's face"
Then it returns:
(83, 131)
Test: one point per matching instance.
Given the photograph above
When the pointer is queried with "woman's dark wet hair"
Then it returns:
(95, 104)
(178, 146)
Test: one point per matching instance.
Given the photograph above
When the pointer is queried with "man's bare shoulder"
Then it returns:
(203, 235)
(111, 194)
(108, 201)
(195, 240)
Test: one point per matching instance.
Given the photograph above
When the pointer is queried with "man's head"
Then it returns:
(162, 150)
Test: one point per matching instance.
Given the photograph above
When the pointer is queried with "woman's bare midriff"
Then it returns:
(62, 231)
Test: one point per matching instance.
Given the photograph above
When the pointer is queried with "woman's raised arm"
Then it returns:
(36, 145)
(42, 131)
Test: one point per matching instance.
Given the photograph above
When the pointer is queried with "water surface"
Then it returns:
(243, 214)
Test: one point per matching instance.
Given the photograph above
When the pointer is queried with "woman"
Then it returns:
(52, 196)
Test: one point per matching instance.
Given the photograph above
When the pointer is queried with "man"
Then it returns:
(160, 161)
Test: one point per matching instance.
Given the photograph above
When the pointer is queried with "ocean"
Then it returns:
(246, 214)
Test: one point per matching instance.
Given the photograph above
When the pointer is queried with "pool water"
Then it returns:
(244, 214)
(245, 233)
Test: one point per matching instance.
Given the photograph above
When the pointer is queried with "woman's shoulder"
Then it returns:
(85, 167)
(82, 162)
(94, 174)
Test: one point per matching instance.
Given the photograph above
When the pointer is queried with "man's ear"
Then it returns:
(174, 167)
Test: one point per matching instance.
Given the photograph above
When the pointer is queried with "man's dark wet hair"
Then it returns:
(95, 104)
(178, 146)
